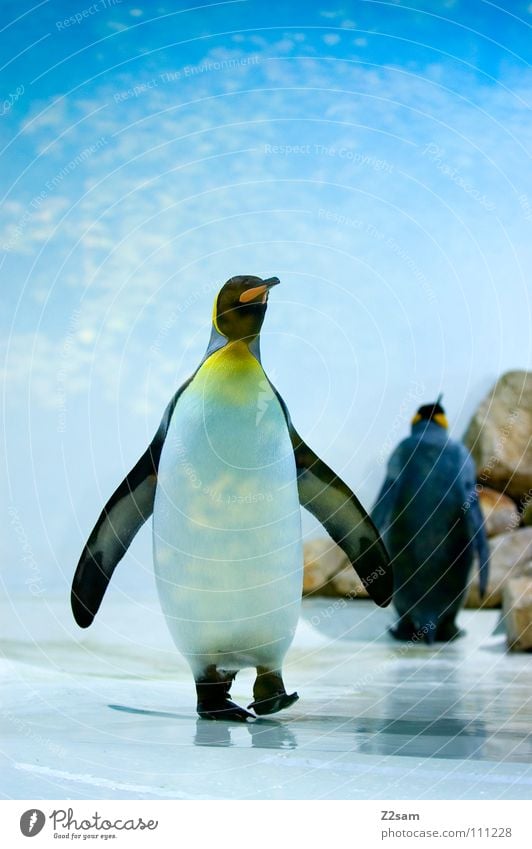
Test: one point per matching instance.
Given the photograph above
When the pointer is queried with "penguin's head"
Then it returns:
(431, 413)
(240, 307)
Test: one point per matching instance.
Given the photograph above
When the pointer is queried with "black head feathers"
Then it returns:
(432, 413)
(240, 306)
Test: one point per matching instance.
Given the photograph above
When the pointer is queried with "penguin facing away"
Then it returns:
(224, 477)
(430, 518)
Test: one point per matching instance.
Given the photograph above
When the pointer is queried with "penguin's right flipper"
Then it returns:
(124, 514)
(332, 502)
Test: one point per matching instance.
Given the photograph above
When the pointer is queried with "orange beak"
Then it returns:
(258, 291)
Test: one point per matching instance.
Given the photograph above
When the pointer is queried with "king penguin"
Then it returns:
(429, 514)
(224, 477)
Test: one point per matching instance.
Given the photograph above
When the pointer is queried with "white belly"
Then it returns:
(227, 528)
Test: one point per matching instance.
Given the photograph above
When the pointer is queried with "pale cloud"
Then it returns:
(117, 26)
(38, 368)
(258, 41)
(284, 45)
(47, 116)
(331, 39)
(25, 226)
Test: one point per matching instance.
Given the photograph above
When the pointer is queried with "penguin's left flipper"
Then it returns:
(330, 500)
(124, 514)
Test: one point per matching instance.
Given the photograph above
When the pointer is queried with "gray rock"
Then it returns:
(517, 611)
(329, 572)
(499, 435)
(527, 512)
(500, 512)
(511, 557)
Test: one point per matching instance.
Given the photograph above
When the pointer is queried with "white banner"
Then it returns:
(357, 824)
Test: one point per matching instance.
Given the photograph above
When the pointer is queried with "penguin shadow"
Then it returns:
(264, 733)
(145, 712)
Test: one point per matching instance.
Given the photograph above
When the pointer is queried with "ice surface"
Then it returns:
(110, 712)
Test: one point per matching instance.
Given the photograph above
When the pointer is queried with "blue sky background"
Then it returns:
(375, 156)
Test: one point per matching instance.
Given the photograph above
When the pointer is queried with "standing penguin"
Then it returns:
(224, 477)
(430, 518)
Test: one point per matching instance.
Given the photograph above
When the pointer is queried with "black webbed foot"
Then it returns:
(448, 631)
(403, 633)
(213, 697)
(224, 710)
(273, 704)
(269, 692)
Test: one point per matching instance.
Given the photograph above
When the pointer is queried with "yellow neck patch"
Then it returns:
(232, 374)
(439, 418)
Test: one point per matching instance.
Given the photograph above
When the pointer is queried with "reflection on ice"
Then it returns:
(264, 733)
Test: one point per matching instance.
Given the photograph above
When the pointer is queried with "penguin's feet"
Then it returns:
(273, 704)
(223, 710)
(403, 631)
(448, 631)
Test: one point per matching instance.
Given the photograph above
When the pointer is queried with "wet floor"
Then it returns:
(110, 713)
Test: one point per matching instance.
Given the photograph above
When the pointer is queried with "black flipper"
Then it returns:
(330, 500)
(123, 515)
